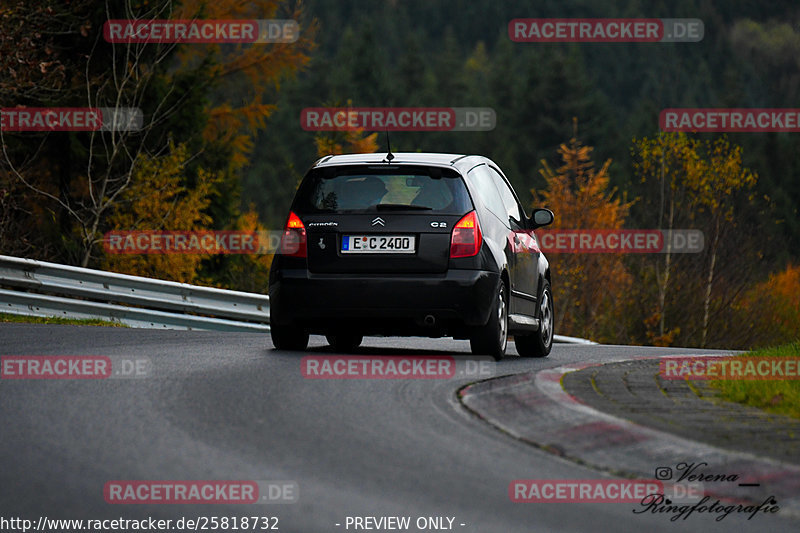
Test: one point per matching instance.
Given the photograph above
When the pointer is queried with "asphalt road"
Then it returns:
(228, 407)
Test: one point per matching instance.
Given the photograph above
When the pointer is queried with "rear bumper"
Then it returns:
(389, 304)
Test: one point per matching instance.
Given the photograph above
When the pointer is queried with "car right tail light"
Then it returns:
(466, 239)
(293, 242)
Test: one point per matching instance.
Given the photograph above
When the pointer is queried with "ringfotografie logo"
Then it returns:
(698, 473)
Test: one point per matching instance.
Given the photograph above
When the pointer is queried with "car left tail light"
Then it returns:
(466, 239)
(293, 242)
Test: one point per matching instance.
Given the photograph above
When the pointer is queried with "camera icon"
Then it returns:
(663, 473)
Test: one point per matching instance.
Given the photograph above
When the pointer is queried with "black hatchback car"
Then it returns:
(411, 244)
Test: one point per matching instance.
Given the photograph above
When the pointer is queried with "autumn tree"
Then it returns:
(700, 183)
(250, 272)
(346, 142)
(587, 287)
(210, 99)
(158, 198)
(713, 182)
(663, 162)
(37, 40)
(349, 141)
(771, 309)
(246, 71)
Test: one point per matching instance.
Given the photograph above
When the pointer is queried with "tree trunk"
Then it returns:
(709, 282)
(664, 283)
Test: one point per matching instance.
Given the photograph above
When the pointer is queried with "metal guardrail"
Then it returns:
(46, 289)
(37, 288)
(564, 339)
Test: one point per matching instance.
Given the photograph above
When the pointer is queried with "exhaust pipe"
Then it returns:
(430, 320)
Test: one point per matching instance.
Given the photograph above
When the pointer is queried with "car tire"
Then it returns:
(288, 337)
(539, 343)
(492, 338)
(344, 342)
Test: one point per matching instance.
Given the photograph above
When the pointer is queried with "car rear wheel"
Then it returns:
(492, 338)
(288, 337)
(539, 343)
(344, 342)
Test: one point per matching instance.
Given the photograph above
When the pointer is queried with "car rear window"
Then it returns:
(354, 190)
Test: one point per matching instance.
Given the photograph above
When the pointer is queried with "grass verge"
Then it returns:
(8, 317)
(774, 396)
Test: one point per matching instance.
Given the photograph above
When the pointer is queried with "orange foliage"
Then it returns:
(773, 308)
(586, 286)
(156, 200)
(251, 272)
(699, 181)
(345, 142)
(261, 65)
(783, 290)
(353, 142)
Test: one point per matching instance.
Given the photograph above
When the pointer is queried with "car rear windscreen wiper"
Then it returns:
(401, 207)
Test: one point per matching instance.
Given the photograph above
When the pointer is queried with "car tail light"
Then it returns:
(293, 242)
(466, 239)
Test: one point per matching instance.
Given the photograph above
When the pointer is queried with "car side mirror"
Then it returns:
(541, 217)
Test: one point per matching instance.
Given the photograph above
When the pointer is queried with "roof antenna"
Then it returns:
(389, 154)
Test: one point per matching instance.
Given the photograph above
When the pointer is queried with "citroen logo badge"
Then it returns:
(378, 221)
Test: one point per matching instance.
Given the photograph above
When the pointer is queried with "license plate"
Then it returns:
(378, 244)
